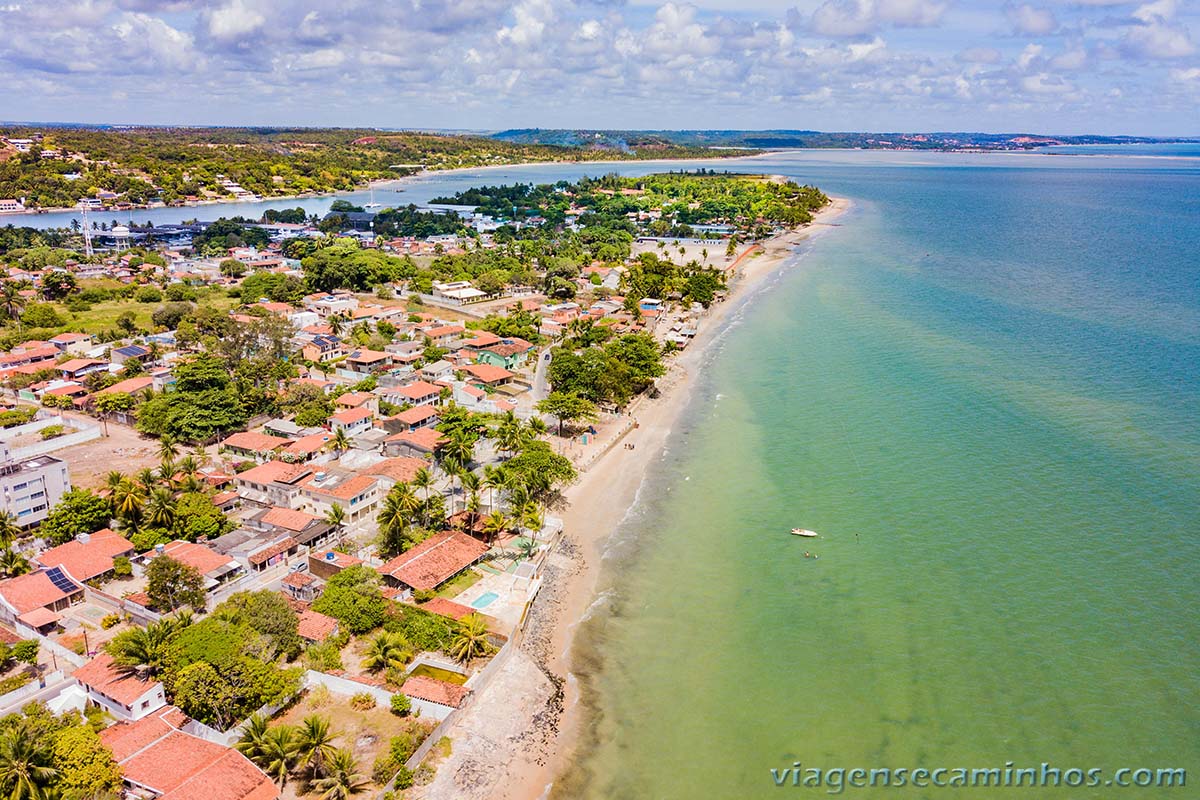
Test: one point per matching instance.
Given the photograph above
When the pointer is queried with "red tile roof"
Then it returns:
(354, 399)
(488, 373)
(307, 445)
(401, 470)
(155, 754)
(195, 555)
(351, 487)
(76, 364)
(255, 442)
(288, 518)
(85, 561)
(315, 626)
(352, 415)
(27, 592)
(269, 552)
(418, 390)
(435, 560)
(434, 691)
(273, 471)
(101, 675)
(299, 579)
(129, 385)
(424, 438)
(416, 415)
(447, 608)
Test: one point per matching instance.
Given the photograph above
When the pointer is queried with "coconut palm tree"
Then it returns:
(147, 477)
(340, 441)
(528, 546)
(342, 779)
(385, 651)
(336, 516)
(188, 465)
(536, 426)
(160, 509)
(494, 525)
(166, 471)
(25, 765)
(508, 434)
(393, 520)
(254, 733)
(423, 479)
(12, 563)
(315, 743)
(143, 651)
(113, 480)
(470, 484)
(128, 500)
(167, 447)
(279, 753)
(10, 529)
(491, 480)
(191, 484)
(11, 300)
(470, 639)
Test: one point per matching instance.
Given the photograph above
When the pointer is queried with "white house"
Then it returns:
(126, 696)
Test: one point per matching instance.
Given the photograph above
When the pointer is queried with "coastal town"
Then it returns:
(290, 503)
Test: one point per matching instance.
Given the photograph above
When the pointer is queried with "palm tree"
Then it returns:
(508, 434)
(12, 563)
(167, 447)
(336, 516)
(10, 529)
(161, 508)
(337, 324)
(393, 519)
(11, 300)
(128, 500)
(143, 651)
(493, 479)
(342, 780)
(340, 441)
(536, 426)
(191, 484)
(495, 524)
(25, 765)
(147, 478)
(113, 480)
(166, 471)
(470, 639)
(188, 465)
(470, 484)
(315, 743)
(279, 753)
(528, 546)
(423, 479)
(385, 651)
(254, 733)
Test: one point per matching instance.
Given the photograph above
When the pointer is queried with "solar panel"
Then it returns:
(61, 581)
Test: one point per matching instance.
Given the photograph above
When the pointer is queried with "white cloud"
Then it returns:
(234, 21)
(839, 18)
(1030, 21)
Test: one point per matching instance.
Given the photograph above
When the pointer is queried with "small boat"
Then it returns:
(803, 532)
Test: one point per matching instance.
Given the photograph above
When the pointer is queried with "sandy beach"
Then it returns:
(520, 760)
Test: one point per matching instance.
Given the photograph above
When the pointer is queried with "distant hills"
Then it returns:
(779, 139)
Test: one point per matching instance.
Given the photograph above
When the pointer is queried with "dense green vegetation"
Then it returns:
(170, 164)
(44, 755)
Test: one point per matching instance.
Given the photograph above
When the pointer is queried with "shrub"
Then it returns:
(14, 682)
(122, 567)
(148, 294)
(26, 650)
(110, 620)
(323, 657)
(53, 431)
(363, 701)
(401, 705)
(319, 696)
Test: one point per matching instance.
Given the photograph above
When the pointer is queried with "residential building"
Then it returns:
(31, 487)
(353, 421)
(258, 446)
(215, 567)
(78, 368)
(88, 555)
(274, 483)
(416, 443)
(74, 343)
(366, 361)
(434, 561)
(411, 419)
(434, 699)
(486, 376)
(127, 696)
(314, 626)
(509, 354)
(132, 352)
(36, 598)
(328, 563)
(356, 494)
(357, 400)
(417, 393)
(160, 761)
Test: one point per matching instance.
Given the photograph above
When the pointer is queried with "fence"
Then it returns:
(17, 696)
(345, 686)
(86, 433)
(143, 616)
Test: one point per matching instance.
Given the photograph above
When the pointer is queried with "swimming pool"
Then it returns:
(484, 600)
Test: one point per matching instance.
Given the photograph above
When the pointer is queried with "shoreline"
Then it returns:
(599, 502)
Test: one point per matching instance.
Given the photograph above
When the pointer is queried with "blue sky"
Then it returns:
(1051, 66)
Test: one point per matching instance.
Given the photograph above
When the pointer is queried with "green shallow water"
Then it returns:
(983, 392)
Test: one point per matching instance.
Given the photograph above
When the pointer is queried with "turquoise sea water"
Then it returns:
(983, 390)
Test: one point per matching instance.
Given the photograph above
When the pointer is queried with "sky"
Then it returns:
(1040, 66)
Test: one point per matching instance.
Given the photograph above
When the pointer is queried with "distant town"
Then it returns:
(275, 483)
